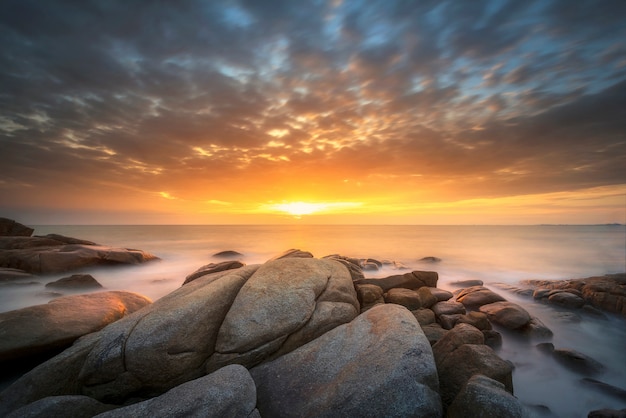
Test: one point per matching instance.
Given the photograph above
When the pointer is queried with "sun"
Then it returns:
(299, 209)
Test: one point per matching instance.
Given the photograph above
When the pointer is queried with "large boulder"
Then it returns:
(66, 257)
(45, 329)
(227, 392)
(482, 397)
(567, 300)
(8, 227)
(352, 264)
(413, 280)
(292, 253)
(246, 316)
(285, 304)
(405, 297)
(380, 364)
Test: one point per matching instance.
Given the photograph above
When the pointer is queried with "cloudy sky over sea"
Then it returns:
(248, 111)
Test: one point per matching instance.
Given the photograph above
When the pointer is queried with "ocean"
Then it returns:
(494, 254)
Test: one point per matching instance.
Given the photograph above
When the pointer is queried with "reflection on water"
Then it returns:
(493, 254)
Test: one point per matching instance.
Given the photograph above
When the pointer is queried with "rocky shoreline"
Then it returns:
(295, 336)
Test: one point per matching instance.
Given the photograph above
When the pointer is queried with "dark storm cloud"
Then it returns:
(529, 94)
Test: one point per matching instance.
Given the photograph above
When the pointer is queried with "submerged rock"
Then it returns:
(572, 359)
(380, 364)
(228, 254)
(75, 281)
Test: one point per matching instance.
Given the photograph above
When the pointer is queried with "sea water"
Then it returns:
(494, 254)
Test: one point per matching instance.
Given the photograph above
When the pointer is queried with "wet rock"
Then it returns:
(448, 308)
(508, 314)
(605, 388)
(482, 397)
(476, 319)
(492, 338)
(292, 253)
(9, 227)
(430, 259)
(369, 295)
(405, 297)
(66, 257)
(228, 254)
(467, 283)
(567, 317)
(477, 296)
(539, 294)
(536, 329)
(607, 413)
(334, 375)
(9, 274)
(413, 280)
(572, 359)
(213, 268)
(424, 316)
(76, 406)
(44, 329)
(352, 264)
(75, 282)
(440, 294)
(227, 392)
(566, 300)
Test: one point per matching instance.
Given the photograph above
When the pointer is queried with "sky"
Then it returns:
(262, 112)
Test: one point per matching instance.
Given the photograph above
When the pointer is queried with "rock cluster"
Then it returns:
(295, 336)
(607, 293)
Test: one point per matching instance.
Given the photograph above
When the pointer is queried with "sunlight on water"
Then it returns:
(493, 254)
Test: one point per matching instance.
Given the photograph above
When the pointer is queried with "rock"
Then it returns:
(213, 268)
(567, 317)
(477, 296)
(227, 392)
(75, 281)
(228, 254)
(448, 308)
(482, 397)
(413, 280)
(424, 316)
(605, 388)
(434, 332)
(539, 294)
(467, 283)
(352, 264)
(46, 329)
(24, 243)
(380, 364)
(58, 259)
(455, 338)
(507, 314)
(536, 329)
(292, 253)
(8, 227)
(8, 274)
(604, 292)
(572, 359)
(477, 319)
(66, 240)
(76, 406)
(369, 295)
(430, 259)
(492, 338)
(284, 305)
(566, 300)
(427, 299)
(607, 413)
(448, 321)
(405, 297)
(440, 294)
(466, 361)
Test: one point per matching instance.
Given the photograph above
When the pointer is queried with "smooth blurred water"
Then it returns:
(491, 253)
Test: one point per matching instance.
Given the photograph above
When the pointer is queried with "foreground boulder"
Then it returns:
(227, 392)
(246, 316)
(380, 364)
(76, 406)
(45, 329)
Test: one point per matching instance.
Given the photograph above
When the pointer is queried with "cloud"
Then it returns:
(228, 101)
